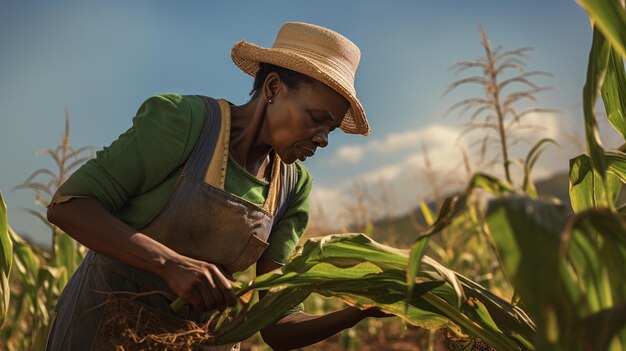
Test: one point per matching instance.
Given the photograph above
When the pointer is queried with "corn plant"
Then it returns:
(65, 252)
(568, 271)
(497, 114)
(37, 277)
(6, 260)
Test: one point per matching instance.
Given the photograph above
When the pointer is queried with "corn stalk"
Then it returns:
(496, 114)
(38, 277)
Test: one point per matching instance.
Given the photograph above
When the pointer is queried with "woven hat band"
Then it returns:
(339, 67)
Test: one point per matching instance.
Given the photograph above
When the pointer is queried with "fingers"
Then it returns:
(226, 290)
(221, 289)
(215, 290)
(194, 297)
(203, 285)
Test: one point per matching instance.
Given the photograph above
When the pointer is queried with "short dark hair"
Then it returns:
(291, 78)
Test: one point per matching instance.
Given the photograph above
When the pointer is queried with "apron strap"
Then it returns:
(202, 153)
(215, 172)
(272, 199)
(287, 190)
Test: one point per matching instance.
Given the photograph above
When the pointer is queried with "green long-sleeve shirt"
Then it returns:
(134, 176)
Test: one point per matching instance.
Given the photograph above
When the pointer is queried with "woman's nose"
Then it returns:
(321, 139)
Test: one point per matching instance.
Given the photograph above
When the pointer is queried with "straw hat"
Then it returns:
(317, 52)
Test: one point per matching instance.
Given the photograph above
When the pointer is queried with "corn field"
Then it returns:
(529, 274)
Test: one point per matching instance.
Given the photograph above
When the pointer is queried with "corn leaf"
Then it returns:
(451, 208)
(418, 249)
(25, 259)
(327, 266)
(610, 17)
(427, 213)
(531, 159)
(346, 250)
(596, 69)
(586, 189)
(597, 253)
(605, 232)
(527, 234)
(614, 93)
(6, 259)
(66, 256)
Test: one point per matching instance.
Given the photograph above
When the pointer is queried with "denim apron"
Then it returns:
(199, 220)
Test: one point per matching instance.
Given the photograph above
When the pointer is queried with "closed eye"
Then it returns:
(325, 118)
(316, 119)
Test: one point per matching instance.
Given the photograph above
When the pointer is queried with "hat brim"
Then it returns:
(247, 57)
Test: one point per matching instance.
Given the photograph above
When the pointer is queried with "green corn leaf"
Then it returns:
(598, 59)
(346, 250)
(452, 207)
(614, 93)
(617, 164)
(605, 233)
(427, 213)
(6, 260)
(511, 319)
(581, 184)
(494, 339)
(610, 17)
(432, 304)
(527, 233)
(531, 159)
(25, 259)
(585, 263)
(447, 275)
(597, 254)
(586, 189)
(261, 314)
(65, 256)
(418, 249)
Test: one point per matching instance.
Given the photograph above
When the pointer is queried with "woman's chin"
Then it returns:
(289, 160)
(287, 157)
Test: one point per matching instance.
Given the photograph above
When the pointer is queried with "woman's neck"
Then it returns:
(248, 144)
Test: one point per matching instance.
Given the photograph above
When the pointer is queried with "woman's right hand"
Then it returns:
(87, 221)
(200, 283)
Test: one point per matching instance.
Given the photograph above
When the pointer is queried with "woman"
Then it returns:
(198, 189)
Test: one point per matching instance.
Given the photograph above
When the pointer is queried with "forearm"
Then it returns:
(301, 329)
(87, 221)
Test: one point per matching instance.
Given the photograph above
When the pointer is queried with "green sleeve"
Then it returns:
(287, 232)
(158, 143)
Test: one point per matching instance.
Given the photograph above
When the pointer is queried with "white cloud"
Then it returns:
(432, 136)
(547, 123)
(350, 153)
(327, 206)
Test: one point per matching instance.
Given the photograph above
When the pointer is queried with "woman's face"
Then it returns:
(300, 119)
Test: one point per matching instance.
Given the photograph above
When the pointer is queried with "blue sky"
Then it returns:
(102, 59)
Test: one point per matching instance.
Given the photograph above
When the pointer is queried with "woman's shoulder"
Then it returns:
(181, 115)
(174, 105)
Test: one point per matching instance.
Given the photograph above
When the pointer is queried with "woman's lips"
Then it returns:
(305, 152)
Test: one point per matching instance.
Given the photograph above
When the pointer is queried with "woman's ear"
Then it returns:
(271, 86)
